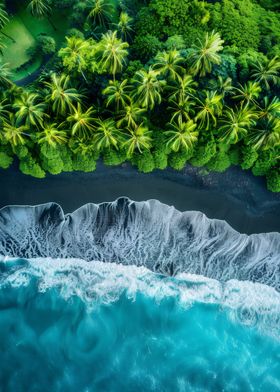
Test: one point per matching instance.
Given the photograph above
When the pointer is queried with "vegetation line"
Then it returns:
(123, 89)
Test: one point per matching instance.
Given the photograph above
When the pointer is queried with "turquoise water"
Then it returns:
(68, 325)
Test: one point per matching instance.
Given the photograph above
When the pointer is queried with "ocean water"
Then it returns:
(129, 297)
(70, 325)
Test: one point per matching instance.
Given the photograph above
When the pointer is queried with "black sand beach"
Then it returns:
(235, 196)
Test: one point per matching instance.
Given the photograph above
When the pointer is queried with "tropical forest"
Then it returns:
(157, 83)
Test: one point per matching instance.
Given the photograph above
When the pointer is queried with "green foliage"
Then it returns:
(273, 180)
(144, 162)
(266, 160)
(46, 45)
(21, 151)
(203, 153)
(30, 167)
(51, 160)
(66, 157)
(249, 157)
(179, 159)
(237, 21)
(175, 42)
(220, 162)
(246, 61)
(5, 160)
(146, 46)
(179, 17)
(147, 23)
(113, 157)
(85, 162)
(235, 155)
(198, 82)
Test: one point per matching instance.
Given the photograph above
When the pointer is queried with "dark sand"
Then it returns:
(235, 196)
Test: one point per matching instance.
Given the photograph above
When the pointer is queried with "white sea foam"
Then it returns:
(96, 283)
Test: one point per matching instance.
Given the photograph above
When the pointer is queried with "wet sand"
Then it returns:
(235, 196)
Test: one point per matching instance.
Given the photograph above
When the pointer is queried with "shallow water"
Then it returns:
(69, 325)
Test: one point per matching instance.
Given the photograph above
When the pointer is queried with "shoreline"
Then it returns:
(235, 196)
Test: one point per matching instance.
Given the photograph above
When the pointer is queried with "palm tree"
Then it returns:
(13, 133)
(61, 95)
(182, 88)
(267, 72)
(5, 75)
(4, 17)
(222, 86)
(235, 124)
(124, 26)
(82, 146)
(168, 64)
(39, 8)
(148, 88)
(270, 109)
(266, 135)
(106, 134)
(208, 109)
(81, 122)
(138, 139)
(181, 110)
(112, 52)
(205, 54)
(248, 93)
(182, 135)
(2, 46)
(51, 135)
(74, 53)
(100, 12)
(117, 93)
(29, 110)
(4, 110)
(130, 115)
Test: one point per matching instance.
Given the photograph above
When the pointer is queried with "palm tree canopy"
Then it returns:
(267, 73)
(248, 93)
(5, 75)
(148, 88)
(117, 93)
(13, 133)
(182, 135)
(206, 53)
(39, 8)
(168, 64)
(124, 26)
(75, 53)
(51, 135)
(112, 52)
(130, 115)
(106, 134)
(138, 139)
(209, 108)
(100, 12)
(266, 135)
(270, 108)
(182, 110)
(61, 95)
(81, 122)
(235, 124)
(29, 109)
(181, 88)
(4, 17)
